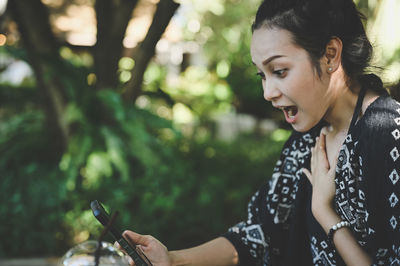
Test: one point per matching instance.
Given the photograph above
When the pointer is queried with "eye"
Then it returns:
(261, 74)
(280, 72)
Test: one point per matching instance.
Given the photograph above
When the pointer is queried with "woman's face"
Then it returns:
(289, 79)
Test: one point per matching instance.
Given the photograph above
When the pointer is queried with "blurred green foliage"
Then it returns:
(229, 46)
(180, 190)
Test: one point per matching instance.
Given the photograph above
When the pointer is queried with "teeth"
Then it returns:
(291, 111)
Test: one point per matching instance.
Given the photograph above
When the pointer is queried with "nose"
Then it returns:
(271, 91)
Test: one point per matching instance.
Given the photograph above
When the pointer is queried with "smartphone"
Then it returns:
(104, 218)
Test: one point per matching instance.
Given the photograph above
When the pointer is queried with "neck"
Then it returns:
(341, 110)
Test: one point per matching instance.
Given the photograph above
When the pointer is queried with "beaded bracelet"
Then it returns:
(335, 228)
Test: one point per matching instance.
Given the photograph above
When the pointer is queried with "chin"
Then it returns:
(300, 128)
(303, 127)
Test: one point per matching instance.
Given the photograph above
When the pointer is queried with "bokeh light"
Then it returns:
(3, 39)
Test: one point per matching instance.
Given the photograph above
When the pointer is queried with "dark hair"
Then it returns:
(313, 23)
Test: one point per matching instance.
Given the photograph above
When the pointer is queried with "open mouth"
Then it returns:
(291, 111)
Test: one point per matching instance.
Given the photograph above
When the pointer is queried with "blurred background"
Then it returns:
(152, 107)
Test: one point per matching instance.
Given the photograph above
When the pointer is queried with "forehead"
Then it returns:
(267, 42)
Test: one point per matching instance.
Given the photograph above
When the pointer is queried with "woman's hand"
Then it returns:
(154, 250)
(322, 177)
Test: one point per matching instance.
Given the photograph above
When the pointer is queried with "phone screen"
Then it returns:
(104, 218)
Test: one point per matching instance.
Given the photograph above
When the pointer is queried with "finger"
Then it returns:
(317, 143)
(308, 174)
(322, 142)
(323, 150)
(313, 157)
(131, 262)
(135, 238)
(117, 245)
(314, 150)
(324, 130)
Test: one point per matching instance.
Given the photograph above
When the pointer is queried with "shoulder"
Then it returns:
(380, 127)
(382, 115)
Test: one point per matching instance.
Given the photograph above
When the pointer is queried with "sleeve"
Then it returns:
(248, 236)
(383, 189)
(259, 239)
(388, 252)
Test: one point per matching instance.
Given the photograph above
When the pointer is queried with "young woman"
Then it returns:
(333, 195)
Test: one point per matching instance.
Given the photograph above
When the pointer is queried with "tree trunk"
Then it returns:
(32, 20)
(146, 50)
(112, 20)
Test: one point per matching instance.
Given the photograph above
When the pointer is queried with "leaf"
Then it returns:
(113, 102)
(115, 152)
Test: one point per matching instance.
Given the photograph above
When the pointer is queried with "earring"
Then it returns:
(330, 69)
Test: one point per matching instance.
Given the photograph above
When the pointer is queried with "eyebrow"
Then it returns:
(268, 60)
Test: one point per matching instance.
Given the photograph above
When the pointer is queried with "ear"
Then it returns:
(333, 55)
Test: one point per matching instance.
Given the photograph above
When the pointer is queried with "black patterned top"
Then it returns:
(280, 228)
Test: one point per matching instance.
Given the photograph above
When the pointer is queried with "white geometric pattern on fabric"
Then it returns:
(393, 222)
(395, 262)
(255, 234)
(393, 200)
(321, 257)
(396, 134)
(394, 176)
(396, 251)
(395, 154)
